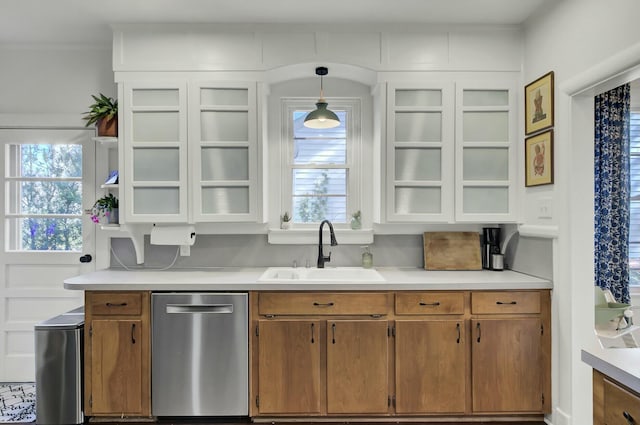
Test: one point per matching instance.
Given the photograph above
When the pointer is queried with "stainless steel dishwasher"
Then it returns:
(200, 354)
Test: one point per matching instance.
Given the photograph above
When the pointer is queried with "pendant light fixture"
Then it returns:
(321, 117)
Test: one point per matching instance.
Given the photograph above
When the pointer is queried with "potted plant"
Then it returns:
(104, 114)
(107, 208)
(285, 221)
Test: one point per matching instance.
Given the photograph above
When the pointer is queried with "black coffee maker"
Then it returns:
(490, 246)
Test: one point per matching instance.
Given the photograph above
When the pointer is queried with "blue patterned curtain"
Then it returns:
(612, 189)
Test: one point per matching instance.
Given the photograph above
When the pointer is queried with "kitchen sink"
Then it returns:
(328, 274)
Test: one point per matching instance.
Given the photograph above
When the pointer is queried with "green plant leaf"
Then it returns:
(103, 107)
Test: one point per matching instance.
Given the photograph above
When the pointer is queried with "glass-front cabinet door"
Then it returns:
(485, 152)
(155, 152)
(223, 151)
(420, 149)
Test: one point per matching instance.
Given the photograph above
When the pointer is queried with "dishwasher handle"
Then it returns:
(200, 308)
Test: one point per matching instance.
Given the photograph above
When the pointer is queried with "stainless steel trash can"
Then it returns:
(59, 364)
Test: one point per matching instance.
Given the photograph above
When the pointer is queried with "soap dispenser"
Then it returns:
(367, 258)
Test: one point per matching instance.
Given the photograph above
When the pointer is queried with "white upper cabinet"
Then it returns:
(190, 152)
(223, 151)
(451, 153)
(486, 118)
(419, 152)
(155, 153)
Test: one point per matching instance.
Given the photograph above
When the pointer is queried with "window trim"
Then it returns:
(354, 155)
(13, 158)
(50, 135)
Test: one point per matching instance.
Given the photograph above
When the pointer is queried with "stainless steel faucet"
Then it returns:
(321, 258)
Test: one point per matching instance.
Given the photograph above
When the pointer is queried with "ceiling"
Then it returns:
(88, 21)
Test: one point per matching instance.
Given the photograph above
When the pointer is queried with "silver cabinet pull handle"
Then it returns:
(200, 308)
(435, 304)
(628, 417)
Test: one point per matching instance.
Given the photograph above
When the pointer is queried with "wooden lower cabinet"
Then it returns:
(613, 403)
(506, 363)
(289, 374)
(318, 367)
(431, 371)
(357, 366)
(117, 359)
(436, 354)
(510, 352)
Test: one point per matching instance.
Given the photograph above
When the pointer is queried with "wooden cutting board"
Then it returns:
(452, 251)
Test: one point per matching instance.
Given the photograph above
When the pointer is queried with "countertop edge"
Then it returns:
(246, 279)
(303, 287)
(612, 369)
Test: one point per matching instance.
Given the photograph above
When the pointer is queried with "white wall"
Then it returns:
(583, 43)
(42, 86)
(380, 47)
(568, 38)
(45, 80)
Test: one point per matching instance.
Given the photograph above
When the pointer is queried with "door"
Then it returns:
(116, 373)
(223, 147)
(485, 133)
(154, 152)
(420, 155)
(49, 180)
(430, 366)
(289, 375)
(357, 366)
(506, 362)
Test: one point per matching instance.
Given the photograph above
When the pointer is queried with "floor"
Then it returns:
(17, 402)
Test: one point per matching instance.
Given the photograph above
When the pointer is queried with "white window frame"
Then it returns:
(354, 155)
(13, 159)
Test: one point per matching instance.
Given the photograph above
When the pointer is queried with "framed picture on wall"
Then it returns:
(538, 104)
(538, 157)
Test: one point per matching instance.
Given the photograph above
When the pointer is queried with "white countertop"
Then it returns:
(621, 364)
(246, 279)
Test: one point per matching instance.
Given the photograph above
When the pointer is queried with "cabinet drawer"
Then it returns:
(505, 302)
(430, 303)
(115, 303)
(300, 303)
(620, 405)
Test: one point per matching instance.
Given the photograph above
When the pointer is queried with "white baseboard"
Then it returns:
(559, 418)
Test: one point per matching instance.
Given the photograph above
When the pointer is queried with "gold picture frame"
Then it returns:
(538, 104)
(538, 157)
